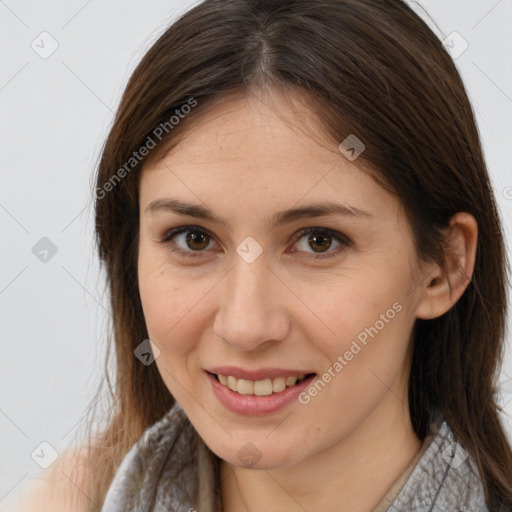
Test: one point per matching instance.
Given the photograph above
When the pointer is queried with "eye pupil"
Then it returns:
(195, 237)
(320, 238)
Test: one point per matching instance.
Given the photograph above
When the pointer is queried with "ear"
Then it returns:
(440, 292)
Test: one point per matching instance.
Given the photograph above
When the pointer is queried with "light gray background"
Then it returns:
(55, 114)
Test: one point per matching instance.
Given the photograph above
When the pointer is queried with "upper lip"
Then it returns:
(265, 373)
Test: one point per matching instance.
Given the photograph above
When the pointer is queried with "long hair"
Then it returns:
(367, 67)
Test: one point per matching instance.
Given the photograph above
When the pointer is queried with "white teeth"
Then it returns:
(263, 387)
(259, 387)
(245, 387)
(290, 381)
(278, 384)
(232, 383)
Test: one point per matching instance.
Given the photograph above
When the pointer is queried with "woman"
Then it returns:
(293, 206)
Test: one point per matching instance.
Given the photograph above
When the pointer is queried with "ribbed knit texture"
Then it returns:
(160, 474)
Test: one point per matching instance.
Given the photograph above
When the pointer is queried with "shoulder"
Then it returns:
(444, 478)
(62, 487)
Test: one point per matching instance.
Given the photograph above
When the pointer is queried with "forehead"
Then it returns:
(246, 149)
(260, 126)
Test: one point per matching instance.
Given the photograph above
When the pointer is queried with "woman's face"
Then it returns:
(255, 288)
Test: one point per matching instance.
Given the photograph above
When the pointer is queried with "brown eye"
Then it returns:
(192, 241)
(320, 242)
(188, 240)
(197, 240)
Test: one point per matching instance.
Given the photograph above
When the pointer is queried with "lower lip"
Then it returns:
(251, 405)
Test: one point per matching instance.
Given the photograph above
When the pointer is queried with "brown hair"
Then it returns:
(370, 68)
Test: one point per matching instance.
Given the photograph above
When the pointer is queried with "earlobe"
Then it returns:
(442, 291)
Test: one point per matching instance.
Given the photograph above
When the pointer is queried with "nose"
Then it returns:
(251, 311)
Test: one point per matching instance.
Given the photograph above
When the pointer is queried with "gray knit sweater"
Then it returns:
(160, 474)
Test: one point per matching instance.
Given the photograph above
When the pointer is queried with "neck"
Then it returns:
(357, 472)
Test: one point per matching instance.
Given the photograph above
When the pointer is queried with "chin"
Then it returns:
(254, 455)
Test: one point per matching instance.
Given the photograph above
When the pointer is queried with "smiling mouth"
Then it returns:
(263, 387)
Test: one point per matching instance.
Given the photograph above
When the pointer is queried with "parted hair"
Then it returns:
(366, 67)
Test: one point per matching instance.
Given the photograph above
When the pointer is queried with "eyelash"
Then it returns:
(339, 237)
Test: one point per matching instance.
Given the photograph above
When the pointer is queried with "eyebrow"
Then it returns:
(318, 209)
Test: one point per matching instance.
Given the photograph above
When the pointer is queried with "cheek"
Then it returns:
(173, 304)
(165, 309)
(372, 321)
(174, 325)
(358, 310)
(158, 295)
(365, 360)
